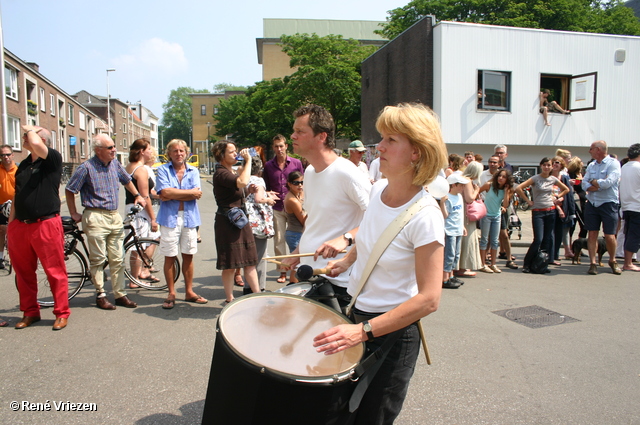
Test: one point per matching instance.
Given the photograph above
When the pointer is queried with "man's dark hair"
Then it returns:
(279, 137)
(320, 121)
(634, 151)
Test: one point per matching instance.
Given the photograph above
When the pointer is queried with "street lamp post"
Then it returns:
(109, 102)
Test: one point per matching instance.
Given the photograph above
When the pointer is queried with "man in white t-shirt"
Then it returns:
(630, 206)
(356, 152)
(494, 165)
(336, 193)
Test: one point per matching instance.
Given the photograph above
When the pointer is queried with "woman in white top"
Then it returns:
(405, 285)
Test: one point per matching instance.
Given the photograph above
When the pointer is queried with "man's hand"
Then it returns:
(76, 217)
(140, 201)
(337, 267)
(197, 193)
(595, 184)
(331, 248)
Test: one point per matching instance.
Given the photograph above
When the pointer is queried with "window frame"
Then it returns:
(481, 81)
(52, 105)
(43, 96)
(71, 114)
(566, 86)
(12, 80)
(203, 109)
(14, 132)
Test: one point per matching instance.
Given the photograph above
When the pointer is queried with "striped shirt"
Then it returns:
(98, 183)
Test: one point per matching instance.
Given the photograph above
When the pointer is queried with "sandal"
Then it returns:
(511, 265)
(3, 323)
(197, 299)
(282, 278)
(169, 303)
(238, 280)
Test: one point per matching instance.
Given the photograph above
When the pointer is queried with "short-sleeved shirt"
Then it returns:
(542, 191)
(454, 223)
(37, 185)
(168, 213)
(7, 183)
(276, 178)
(225, 188)
(97, 183)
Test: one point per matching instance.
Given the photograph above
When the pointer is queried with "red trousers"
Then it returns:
(42, 241)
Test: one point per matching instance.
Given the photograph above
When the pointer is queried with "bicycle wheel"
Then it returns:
(144, 257)
(78, 274)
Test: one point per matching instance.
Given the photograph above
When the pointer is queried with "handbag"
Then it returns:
(261, 220)
(237, 217)
(476, 210)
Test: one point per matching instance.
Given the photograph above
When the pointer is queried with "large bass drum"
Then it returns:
(265, 369)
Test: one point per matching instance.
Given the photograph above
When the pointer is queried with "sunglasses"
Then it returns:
(108, 147)
(297, 183)
(493, 162)
(6, 155)
(556, 162)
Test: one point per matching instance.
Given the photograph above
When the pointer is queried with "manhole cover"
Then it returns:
(534, 316)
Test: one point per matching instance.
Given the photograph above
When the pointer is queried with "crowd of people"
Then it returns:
(335, 208)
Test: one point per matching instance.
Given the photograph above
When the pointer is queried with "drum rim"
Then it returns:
(322, 379)
(298, 284)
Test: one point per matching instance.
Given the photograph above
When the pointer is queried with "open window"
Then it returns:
(494, 90)
(572, 92)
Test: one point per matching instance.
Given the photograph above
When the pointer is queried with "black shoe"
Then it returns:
(526, 269)
(450, 285)
(246, 291)
(502, 256)
(456, 280)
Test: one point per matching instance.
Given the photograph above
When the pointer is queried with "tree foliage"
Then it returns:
(327, 73)
(597, 16)
(176, 116)
(222, 87)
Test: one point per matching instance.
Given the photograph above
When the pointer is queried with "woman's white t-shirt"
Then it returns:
(393, 279)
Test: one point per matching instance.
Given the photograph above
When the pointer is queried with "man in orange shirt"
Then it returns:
(7, 191)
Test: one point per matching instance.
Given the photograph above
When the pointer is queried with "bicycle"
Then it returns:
(521, 177)
(77, 264)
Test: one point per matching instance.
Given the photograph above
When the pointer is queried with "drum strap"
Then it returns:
(368, 368)
(385, 240)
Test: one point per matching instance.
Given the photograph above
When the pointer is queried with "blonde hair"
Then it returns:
(420, 125)
(174, 142)
(565, 154)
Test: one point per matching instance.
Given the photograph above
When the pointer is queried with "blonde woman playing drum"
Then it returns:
(406, 283)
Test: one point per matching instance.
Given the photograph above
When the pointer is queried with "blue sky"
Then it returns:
(156, 46)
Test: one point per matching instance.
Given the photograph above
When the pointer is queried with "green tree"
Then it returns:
(176, 117)
(608, 16)
(327, 73)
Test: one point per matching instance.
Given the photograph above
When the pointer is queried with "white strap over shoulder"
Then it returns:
(385, 240)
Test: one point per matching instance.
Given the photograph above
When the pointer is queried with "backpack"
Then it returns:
(539, 264)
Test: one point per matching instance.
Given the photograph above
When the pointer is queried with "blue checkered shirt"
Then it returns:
(98, 183)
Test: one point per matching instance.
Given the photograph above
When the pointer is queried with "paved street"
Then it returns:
(150, 366)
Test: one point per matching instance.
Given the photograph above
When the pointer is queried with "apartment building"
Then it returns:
(31, 98)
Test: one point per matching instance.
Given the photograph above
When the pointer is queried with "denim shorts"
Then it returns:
(606, 214)
(293, 239)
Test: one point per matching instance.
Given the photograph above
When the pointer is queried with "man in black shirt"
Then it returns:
(35, 228)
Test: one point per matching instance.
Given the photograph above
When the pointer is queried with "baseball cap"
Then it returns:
(357, 145)
(457, 178)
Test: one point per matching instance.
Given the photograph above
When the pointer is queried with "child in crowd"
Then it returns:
(452, 207)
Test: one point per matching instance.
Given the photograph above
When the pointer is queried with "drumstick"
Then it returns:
(274, 261)
(424, 343)
(296, 255)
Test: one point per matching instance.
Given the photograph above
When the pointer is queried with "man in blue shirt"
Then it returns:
(178, 185)
(97, 181)
(601, 181)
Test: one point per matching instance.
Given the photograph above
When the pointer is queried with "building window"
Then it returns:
(124, 143)
(71, 114)
(124, 128)
(572, 92)
(124, 112)
(52, 105)
(43, 107)
(54, 135)
(13, 133)
(215, 111)
(82, 152)
(11, 82)
(82, 118)
(494, 90)
(203, 109)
